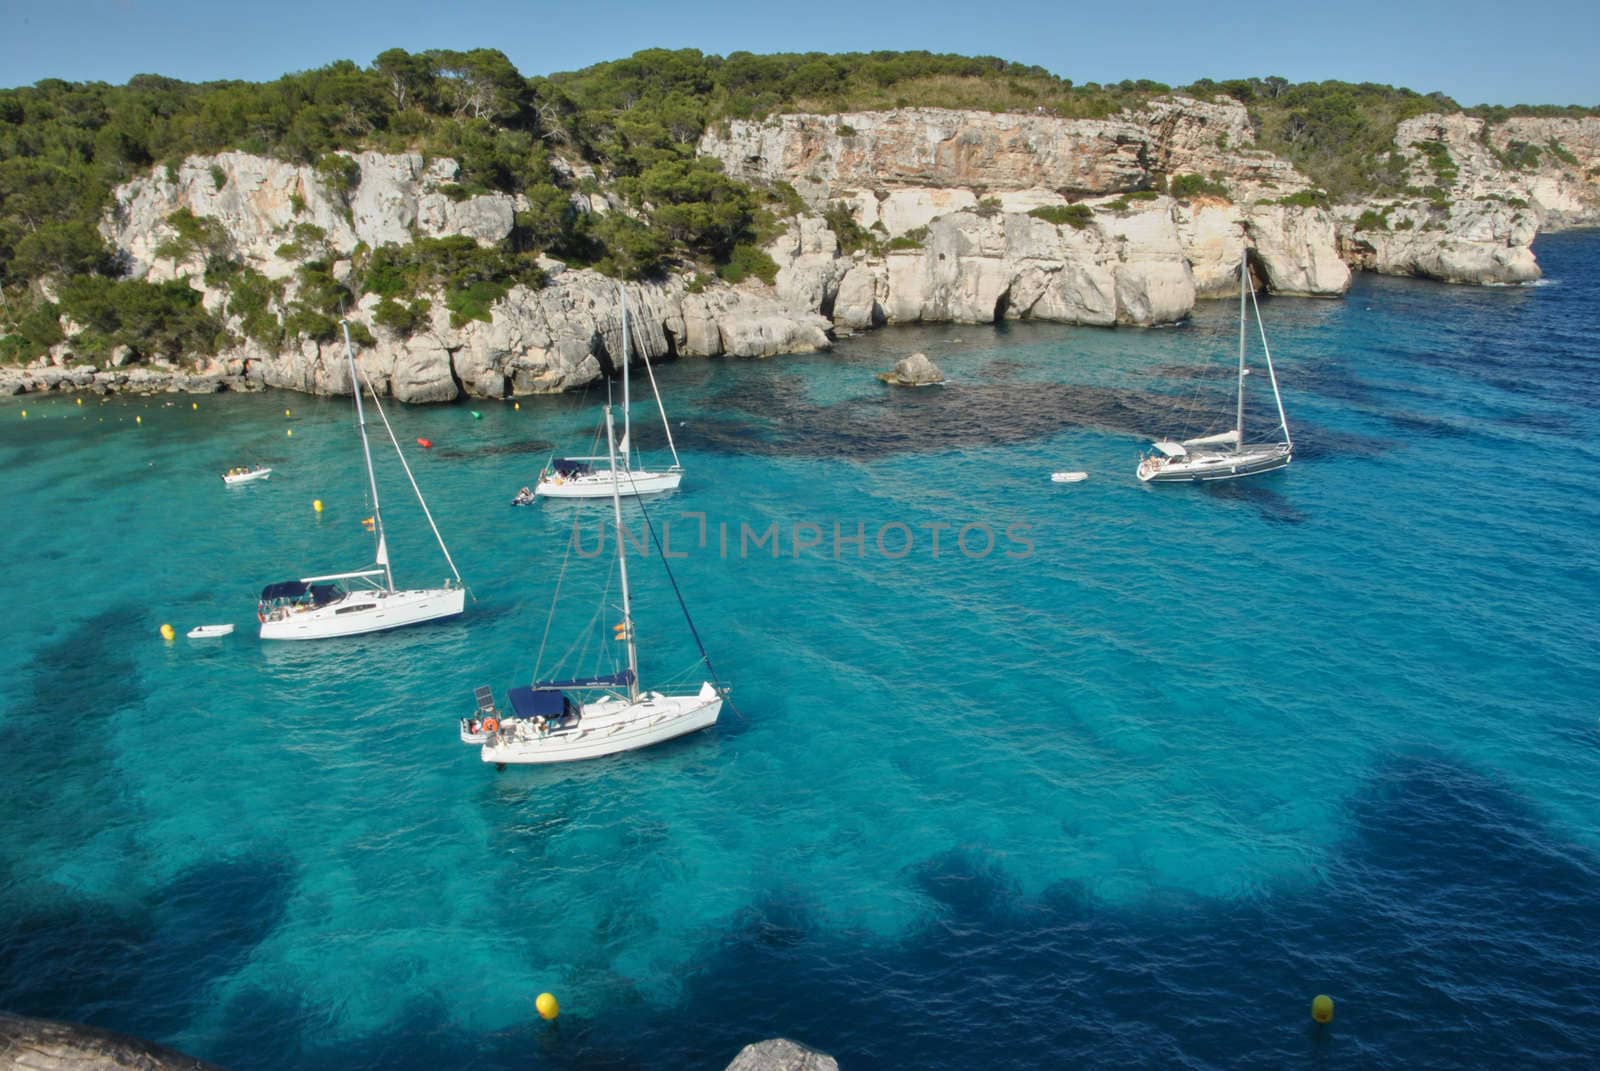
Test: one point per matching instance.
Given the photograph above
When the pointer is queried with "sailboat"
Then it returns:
(546, 723)
(366, 600)
(581, 477)
(1226, 455)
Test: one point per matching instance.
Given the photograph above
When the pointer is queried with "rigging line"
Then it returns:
(417, 490)
(644, 354)
(555, 600)
(704, 656)
(1283, 421)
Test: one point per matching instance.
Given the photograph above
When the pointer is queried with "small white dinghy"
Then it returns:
(1068, 477)
(206, 632)
(233, 476)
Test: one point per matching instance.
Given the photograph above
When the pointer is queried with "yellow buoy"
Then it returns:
(316, 504)
(194, 405)
(138, 420)
(168, 632)
(516, 405)
(80, 401)
(1322, 1008)
(286, 412)
(289, 432)
(548, 1008)
(24, 414)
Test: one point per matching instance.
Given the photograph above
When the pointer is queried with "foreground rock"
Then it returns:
(45, 1045)
(913, 371)
(781, 1054)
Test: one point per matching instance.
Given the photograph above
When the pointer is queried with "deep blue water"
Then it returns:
(1126, 789)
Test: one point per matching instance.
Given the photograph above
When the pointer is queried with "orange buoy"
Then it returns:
(426, 444)
(491, 724)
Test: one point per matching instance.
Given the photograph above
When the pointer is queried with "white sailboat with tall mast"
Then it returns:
(366, 600)
(584, 477)
(1226, 455)
(546, 724)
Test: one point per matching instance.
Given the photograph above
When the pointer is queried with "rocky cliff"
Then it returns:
(985, 216)
(954, 217)
(1493, 189)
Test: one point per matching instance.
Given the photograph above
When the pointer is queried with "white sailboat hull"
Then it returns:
(1219, 465)
(598, 484)
(364, 611)
(608, 726)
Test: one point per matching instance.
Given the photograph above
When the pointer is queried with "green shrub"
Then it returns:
(339, 173)
(1075, 216)
(988, 207)
(912, 239)
(153, 318)
(196, 235)
(1187, 187)
(1518, 156)
(32, 333)
(472, 302)
(747, 261)
(1440, 161)
(843, 223)
(1373, 221)
(1556, 149)
(1143, 195)
(1305, 199)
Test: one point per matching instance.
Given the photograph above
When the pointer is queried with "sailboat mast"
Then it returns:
(627, 425)
(366, 451)
(1238, 423)
(622, 561)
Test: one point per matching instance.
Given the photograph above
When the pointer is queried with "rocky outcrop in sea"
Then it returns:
(28, 1044)
(954, 216)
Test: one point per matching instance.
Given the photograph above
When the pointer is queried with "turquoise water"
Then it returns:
(1127, 789)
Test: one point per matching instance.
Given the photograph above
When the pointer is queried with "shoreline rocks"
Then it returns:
(956, 217)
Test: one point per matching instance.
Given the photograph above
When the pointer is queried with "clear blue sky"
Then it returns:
(1477, 52)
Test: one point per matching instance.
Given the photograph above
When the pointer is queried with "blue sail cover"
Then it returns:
(569, 467)
(608, 680)
(288, 589)
(321, 594)
(531, 702)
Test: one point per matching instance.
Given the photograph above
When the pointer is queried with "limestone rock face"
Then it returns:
(1501, 185)
(1298, 248)
(781, 1054)
(827, 156)
(1470, 242)
(259, 203)
(969, 217)
(952, 195)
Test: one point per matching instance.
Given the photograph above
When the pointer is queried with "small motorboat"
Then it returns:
(1068, 477)
(206, 632)
(243, 475)
(525, 497)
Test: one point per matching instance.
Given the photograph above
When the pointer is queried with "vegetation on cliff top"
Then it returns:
(634, 122)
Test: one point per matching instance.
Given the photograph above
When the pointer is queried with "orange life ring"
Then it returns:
(491, 725)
